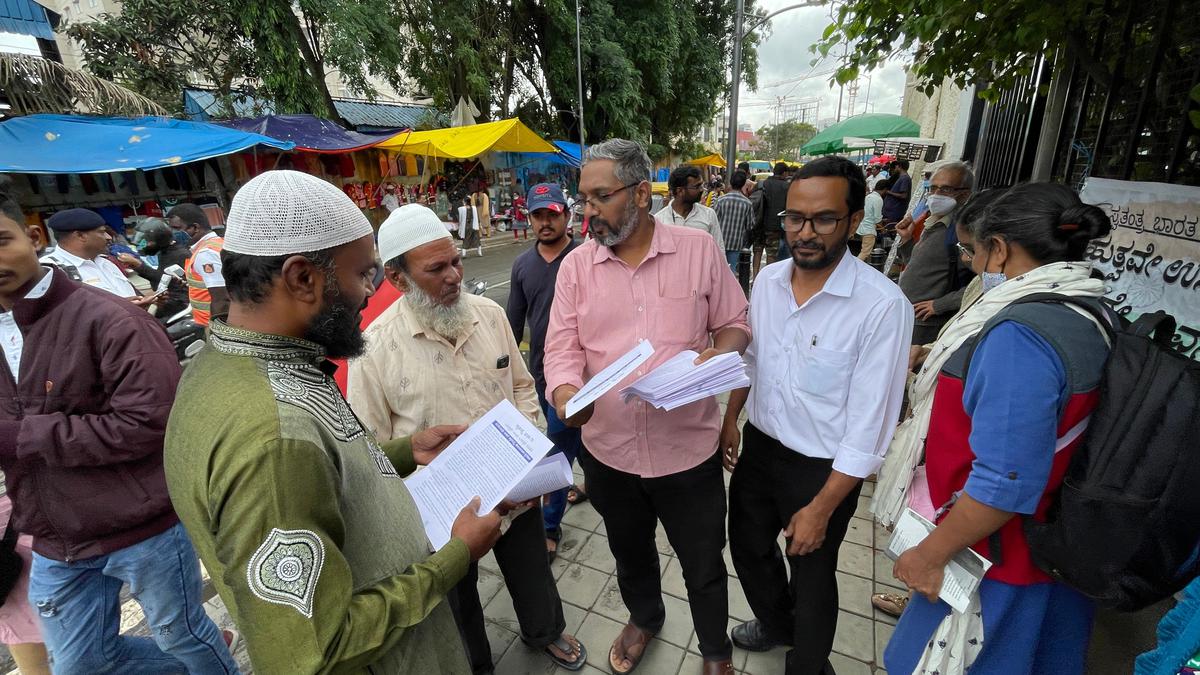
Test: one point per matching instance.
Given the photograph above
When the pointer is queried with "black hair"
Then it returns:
(190, 214)
(249, 277)
(744, 166)
(680, 175)
(839, 167)
(1046, 219)
(883, 184)
(738, 180)
(8, 204)
(902, 163)
(780, 168)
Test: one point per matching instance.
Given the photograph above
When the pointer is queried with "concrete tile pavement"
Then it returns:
(588, 586)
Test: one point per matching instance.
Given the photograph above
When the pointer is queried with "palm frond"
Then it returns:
(36, 85)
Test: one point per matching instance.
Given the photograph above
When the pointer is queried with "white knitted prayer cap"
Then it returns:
(284, 212)
(408, 227)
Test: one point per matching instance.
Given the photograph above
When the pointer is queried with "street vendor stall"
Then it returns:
(126, 167)
(870, 126)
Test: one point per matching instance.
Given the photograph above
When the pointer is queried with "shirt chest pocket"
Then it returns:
(821, 375)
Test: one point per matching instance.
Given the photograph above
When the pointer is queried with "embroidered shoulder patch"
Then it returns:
(285, 569)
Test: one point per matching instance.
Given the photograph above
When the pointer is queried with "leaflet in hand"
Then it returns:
(489, 460)
(550, 475)
(609, 377)
(679, 381)
(963, 573)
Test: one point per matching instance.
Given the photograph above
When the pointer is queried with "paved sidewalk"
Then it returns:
(595, 613)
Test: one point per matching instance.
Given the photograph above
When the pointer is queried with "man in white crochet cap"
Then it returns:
(299, 514)
(437, 356)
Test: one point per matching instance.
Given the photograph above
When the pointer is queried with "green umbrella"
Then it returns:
(870, 125)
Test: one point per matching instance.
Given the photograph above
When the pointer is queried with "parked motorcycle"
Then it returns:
(185, 334)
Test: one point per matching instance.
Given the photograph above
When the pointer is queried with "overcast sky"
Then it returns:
(785, 56)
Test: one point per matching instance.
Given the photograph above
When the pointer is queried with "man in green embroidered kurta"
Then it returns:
(301, 518)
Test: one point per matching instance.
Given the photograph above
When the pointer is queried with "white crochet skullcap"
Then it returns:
(408, 227)
(284, 212)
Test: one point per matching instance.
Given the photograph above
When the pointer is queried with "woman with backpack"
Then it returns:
(998, 409)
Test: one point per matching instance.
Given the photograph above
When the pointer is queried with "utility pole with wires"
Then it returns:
(736, 81)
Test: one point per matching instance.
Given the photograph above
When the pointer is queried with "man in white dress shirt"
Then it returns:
(827, 365)
(82, 241)
(685, 209)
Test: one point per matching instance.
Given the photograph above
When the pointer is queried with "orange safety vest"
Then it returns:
(198, 293)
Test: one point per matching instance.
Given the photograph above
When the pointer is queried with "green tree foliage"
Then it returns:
(985, 42)
(784, 140)
(277, 49)
(652, 69)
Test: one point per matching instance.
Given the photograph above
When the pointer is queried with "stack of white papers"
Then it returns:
(679, 381)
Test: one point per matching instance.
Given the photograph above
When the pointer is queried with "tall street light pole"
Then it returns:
(736, 84)
(731, 142)
(579, 74)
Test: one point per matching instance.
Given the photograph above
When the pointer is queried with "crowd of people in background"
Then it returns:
(123, 469)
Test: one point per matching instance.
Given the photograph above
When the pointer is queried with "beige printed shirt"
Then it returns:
(411, 378)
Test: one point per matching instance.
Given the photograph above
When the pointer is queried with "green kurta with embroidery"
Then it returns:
(303, 520)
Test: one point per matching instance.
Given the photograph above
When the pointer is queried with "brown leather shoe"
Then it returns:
(717, 667)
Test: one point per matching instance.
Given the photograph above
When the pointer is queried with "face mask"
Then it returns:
(940, 205)
(990, 280)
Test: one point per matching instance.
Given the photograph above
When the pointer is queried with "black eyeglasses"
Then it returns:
(595, 202)
(824, 223)
(967, 252)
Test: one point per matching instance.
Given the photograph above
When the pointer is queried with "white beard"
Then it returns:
(449, 321)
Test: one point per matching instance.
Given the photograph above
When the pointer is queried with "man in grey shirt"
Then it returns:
(933, 279)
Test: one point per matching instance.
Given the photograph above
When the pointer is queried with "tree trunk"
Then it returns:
(316, 69)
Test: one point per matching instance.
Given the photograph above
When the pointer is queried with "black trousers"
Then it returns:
(521, 555)
(691, 506)
(770, 484)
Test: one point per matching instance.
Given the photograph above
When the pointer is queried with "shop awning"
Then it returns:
(26, 17)
(470, 141)
(79, 144)
(868, 126)
(708, 160)
(309, 132)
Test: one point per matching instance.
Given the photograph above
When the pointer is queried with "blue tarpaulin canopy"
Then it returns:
(79, 144)
(568, 154)
(309, 132)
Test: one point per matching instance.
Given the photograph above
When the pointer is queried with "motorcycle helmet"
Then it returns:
(154, 235)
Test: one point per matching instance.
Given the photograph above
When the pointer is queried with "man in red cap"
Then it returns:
(531, 293)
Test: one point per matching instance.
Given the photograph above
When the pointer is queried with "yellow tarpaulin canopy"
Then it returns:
(469, 141)
(708, 160)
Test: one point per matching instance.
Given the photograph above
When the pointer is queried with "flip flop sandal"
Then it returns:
(890, 603)
(579, 494)
(567, 647)
(641, 639)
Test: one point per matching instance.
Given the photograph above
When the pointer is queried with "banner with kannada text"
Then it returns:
(1151, 259)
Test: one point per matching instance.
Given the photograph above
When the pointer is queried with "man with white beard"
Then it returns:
(437, 354)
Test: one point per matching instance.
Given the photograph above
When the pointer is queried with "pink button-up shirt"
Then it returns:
(676, 298)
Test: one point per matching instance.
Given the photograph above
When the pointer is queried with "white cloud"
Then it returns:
(785, 56)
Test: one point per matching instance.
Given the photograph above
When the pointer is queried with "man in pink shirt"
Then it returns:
(641, 280)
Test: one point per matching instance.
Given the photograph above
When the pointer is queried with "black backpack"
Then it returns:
(1125, 527)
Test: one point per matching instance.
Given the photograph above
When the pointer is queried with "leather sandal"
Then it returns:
(631, 638)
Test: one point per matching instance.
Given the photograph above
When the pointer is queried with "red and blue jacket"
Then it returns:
(1009, 411)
